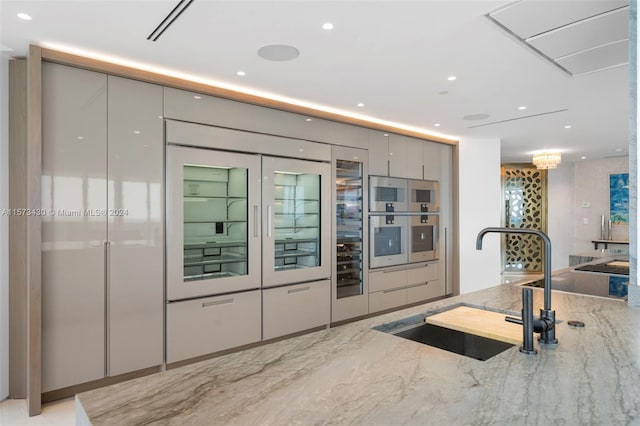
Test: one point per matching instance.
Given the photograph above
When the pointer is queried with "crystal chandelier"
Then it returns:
(546, 160)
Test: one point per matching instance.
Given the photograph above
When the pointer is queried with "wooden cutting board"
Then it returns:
(479, 322)
(618, 263)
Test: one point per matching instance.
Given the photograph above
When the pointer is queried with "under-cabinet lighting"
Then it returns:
(237, 88)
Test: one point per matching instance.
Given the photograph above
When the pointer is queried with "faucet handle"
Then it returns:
(513, 320)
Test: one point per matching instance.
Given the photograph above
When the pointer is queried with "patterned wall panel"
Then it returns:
(525, 206)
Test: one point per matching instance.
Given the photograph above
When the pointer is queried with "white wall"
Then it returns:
(480, 206)
(561, 207)
(4, 227)
(592, 189)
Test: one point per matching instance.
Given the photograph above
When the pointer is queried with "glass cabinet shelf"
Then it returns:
(215, 222)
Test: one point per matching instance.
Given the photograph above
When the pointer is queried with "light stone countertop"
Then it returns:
(352, 374)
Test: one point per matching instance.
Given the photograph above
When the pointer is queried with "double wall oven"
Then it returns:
(403, 221)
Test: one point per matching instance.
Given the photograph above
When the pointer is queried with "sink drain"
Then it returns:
(576, 324)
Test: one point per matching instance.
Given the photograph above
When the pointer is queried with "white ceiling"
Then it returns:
(394, 56)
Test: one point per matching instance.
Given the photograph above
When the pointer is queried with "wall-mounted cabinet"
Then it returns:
(406, 157)
(102, 239)
(387, 154)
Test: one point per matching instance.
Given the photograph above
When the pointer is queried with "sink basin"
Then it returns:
(473, 331)
(471, 345)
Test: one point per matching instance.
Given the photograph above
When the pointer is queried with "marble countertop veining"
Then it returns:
(352, 374)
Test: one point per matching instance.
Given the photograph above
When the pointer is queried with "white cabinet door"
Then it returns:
(414, 158)
(203, 326)
(74, 169)
(378, 153)
(397, 156)
(294, 308)
(136, 227)
(387, 299)
(213, 223)
(434, 158)
(296, 196)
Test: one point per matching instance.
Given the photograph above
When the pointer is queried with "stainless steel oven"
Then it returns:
(387, 240)
(387, 194)
(424, 196)
(423, 238)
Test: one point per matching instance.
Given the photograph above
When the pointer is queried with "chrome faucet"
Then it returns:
(545, 325)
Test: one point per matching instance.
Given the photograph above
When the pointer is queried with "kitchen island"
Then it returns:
(353, 374)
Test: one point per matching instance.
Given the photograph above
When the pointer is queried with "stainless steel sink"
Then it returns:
(414, 328)
(466, 344)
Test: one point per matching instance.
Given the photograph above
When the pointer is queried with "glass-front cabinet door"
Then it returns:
(213, 222)
(348, 228)
(296, 215)
(349, 289)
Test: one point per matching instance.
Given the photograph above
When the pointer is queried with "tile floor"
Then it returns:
(13, 412)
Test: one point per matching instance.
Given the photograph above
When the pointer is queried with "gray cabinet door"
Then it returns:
(136, 232)
(74, 231)
(378, 153)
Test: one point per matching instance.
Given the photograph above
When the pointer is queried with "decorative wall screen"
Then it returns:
(524, 189)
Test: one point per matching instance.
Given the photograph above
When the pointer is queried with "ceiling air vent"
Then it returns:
(578, 37)
(169, 19)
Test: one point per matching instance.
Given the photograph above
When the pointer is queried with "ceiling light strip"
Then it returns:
(169, 19)
(518, 118)
(64, 54)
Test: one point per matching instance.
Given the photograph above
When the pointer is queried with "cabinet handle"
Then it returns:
(389, 271)
(269, 214)
(388, 167)
(107, 307)
(217, 302)
(298, 290)
(423, 172)
(255, 221)
(419, 285)
(395, 289)
(419, 266)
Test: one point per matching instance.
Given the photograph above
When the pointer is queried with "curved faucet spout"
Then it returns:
(547, 254)
(548, 335)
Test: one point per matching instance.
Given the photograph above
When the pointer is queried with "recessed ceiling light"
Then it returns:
(241, 73)
(451, 78)
(308, 119)
(137, 132)
(360, 104)
(24, 16)
(522, 107)
(80, 138)
(583, 158)
(437, 124)
(278, 52)
(568, 126)
(327, 26)
(197, 97)
(619, 150)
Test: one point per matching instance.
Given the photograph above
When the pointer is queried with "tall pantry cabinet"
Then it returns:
(102, 231)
